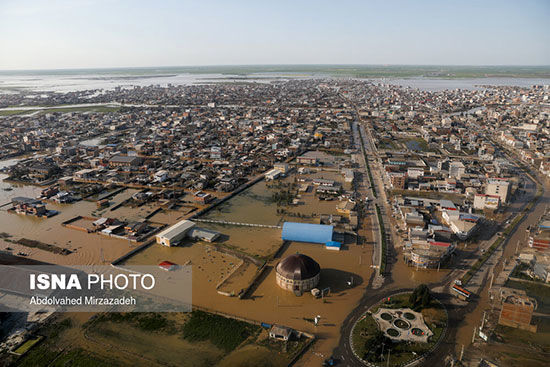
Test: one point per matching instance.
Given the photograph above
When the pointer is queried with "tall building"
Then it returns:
(499, 187)
(456, 169)
(397, 180)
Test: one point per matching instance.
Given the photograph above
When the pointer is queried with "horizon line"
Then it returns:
(272, 65)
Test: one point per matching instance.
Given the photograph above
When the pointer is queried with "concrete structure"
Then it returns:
(171, 236)
(272, 174)
(499, 187)
(397, 180)
(124, 160)
(427, 253)
(517, 311)
(298, 273)
(456, 169)
(483, 201)
(307, 232)
(539, 236)
(202, 234)
(402, 324)
(281, 166)
(280, 332)
(463, 225)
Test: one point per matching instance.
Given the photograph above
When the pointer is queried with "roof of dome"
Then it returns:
(298, 267)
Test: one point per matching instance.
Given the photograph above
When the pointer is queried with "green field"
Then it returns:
(24, 348)
(157, 339)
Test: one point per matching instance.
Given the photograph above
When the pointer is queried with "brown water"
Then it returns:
(87, 247)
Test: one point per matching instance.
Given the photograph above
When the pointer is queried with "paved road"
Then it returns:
(456, 311)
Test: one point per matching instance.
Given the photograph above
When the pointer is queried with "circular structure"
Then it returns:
(405, 327)
(402, 324)
(393, 332)
(298, 273)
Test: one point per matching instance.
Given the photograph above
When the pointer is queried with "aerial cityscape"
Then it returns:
(349, 211)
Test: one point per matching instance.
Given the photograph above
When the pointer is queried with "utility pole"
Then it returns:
(474, 335)
(482, 321)
(388, 364)
(461, 353)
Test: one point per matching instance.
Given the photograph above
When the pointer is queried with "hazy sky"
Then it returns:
(47, 34)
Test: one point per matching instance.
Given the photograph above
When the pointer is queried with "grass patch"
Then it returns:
(383, 240)
(367, 338)
(226, 334)
(23, 348)
(367, 163)
(149, 322)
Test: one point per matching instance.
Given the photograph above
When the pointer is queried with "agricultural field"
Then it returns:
(188, 339)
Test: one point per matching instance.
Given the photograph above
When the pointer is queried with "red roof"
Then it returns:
(167, 265)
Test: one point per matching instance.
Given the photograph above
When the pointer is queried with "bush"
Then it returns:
(224, 333)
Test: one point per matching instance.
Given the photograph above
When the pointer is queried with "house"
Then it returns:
(202, 197)
(397, 180)
(499, 187)
(161, 176)
(281, 166)
(280, 332)
(168, 266)
(125, 161)
(272, 174)
(484, 201)
(172, 235)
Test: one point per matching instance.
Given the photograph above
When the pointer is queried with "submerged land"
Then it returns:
(444, 191)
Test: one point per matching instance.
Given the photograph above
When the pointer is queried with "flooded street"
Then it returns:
(473, 319)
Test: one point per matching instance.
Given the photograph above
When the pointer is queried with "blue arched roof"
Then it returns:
(307, 232)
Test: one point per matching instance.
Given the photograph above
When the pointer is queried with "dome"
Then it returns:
(298, 267)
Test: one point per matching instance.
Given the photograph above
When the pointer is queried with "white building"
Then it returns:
(499, 187)
(161, 176)
(456, 169)
(272, 174)
(482, 201)
(174, 234)
(415, 172)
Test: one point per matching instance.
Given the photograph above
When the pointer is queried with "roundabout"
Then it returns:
(403, 326)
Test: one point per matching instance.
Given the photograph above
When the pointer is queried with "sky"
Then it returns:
(58, 34)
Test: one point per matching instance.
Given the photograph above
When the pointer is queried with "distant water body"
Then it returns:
(434, 84)
(79, 80)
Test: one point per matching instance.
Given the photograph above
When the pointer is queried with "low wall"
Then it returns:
(132, 252)
(220, 201)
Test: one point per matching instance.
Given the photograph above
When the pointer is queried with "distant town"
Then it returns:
(328, 221)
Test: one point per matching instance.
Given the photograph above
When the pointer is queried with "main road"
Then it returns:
(457, 312)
